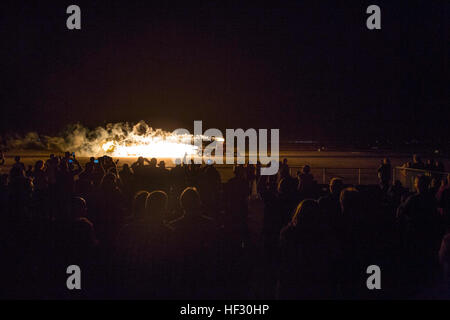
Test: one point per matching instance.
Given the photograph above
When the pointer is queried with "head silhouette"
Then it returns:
(306, 213)
(350, 201)
(109, 182)
(421, 184)
(286, 186)
(78, 208)
(156, 205)
(190, 201)
(139, 200)
(39, 165)
(82, 234)
(306, 169)
(336, 186)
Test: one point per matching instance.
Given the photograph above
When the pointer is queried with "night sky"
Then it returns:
(310, 68)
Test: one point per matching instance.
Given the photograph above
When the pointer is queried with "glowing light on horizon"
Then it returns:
(150, 147)
(117, 140)
(143, 141)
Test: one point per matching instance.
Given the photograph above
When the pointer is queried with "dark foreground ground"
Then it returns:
(36, 261)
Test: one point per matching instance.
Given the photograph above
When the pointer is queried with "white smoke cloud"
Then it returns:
(87, 142)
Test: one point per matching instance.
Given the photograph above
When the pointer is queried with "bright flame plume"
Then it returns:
(115, 140)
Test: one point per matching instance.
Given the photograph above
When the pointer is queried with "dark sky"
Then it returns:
(310, 68)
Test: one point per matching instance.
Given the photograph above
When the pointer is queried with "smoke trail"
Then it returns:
(102, 140)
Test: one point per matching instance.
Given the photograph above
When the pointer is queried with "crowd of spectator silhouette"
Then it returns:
(144, 231)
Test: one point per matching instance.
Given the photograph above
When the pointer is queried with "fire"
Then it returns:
(142, 140)
(172, 146)
(117, 140)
